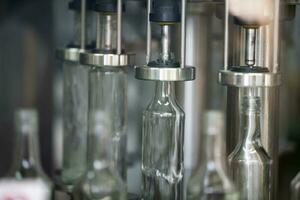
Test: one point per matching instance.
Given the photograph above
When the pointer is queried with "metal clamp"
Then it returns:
(165, 74)
(69, 54)
(240, 79)
(106, 60)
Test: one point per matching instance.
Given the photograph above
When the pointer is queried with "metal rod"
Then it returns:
(183, 32)
(226, 35)
(119, 29)
(98, 31)
(250, 46)
(108, 33)
(165, 42)
(149, 36)
(83, 24)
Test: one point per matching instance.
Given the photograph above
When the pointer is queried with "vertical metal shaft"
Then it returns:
(98, 31)
(165, 42)
(183, 32)
(149, 36)
(250, 46)
(104, 32)
(83, 24)
(119, 29)
(226, 39)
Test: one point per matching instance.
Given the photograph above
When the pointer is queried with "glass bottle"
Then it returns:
(26, 171)
(162, 146)
(75, 114)
(295, 188)
(101, 180)
(108, 94)
(211, 181)
(250, 164)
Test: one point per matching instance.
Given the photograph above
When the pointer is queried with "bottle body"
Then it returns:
(108, 94)
(75, 115)
(26, 171)
(162, 146)
(211, 182)
(250, 165)
(295, 188)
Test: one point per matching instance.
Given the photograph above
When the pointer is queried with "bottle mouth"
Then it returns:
(251, 104)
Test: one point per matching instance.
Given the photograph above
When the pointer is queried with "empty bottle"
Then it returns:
(75, 115)
(26, 171)
(250, 165)
(211, 181)
(101, 180)
(162, 146)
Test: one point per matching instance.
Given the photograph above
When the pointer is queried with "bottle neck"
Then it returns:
(164, 91)
(214, 151)
(250, 127)
(27, 150)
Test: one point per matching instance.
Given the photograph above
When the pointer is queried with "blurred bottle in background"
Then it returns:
(26, 178)
(211, 181)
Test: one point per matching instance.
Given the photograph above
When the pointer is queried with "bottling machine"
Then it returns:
(212, 71)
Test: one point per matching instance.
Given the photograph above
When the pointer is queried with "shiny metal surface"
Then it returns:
(250, 46)
(269, 123)
(68, 54)
(83, 28)
(119, 27)
(250, 165)
(165, 74)
(238, 79)
(166, 42)
(106, 60)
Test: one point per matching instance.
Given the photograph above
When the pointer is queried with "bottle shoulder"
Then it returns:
(100, 183)
(164, 106)
(251, 153)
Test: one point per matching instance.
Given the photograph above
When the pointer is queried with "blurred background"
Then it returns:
(31, 76)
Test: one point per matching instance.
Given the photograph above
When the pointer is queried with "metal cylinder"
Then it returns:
(165, 42)
(105, 32)
(250, 46)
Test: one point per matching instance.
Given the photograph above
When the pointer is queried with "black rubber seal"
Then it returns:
(165, 11)
(249, 69)
(76, 5)
(105, 6)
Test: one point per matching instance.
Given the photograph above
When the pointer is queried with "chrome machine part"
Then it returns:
(239, 79)
(106, 60)
(165, 74)
(68, 54)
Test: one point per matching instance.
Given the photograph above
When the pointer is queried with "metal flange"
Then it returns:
(165, 74)
(242, 79)
(69, 54)
(106, 60)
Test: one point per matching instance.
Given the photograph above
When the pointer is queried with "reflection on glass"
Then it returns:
(162, 146)
(211, 181)
(250, 164)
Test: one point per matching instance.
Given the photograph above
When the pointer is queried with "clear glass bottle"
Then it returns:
(250, 164)
(211, 181)
(108, 94)
(162, 146)
(101, 180)
(295, 188)
(75, 114)
(26, 170)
